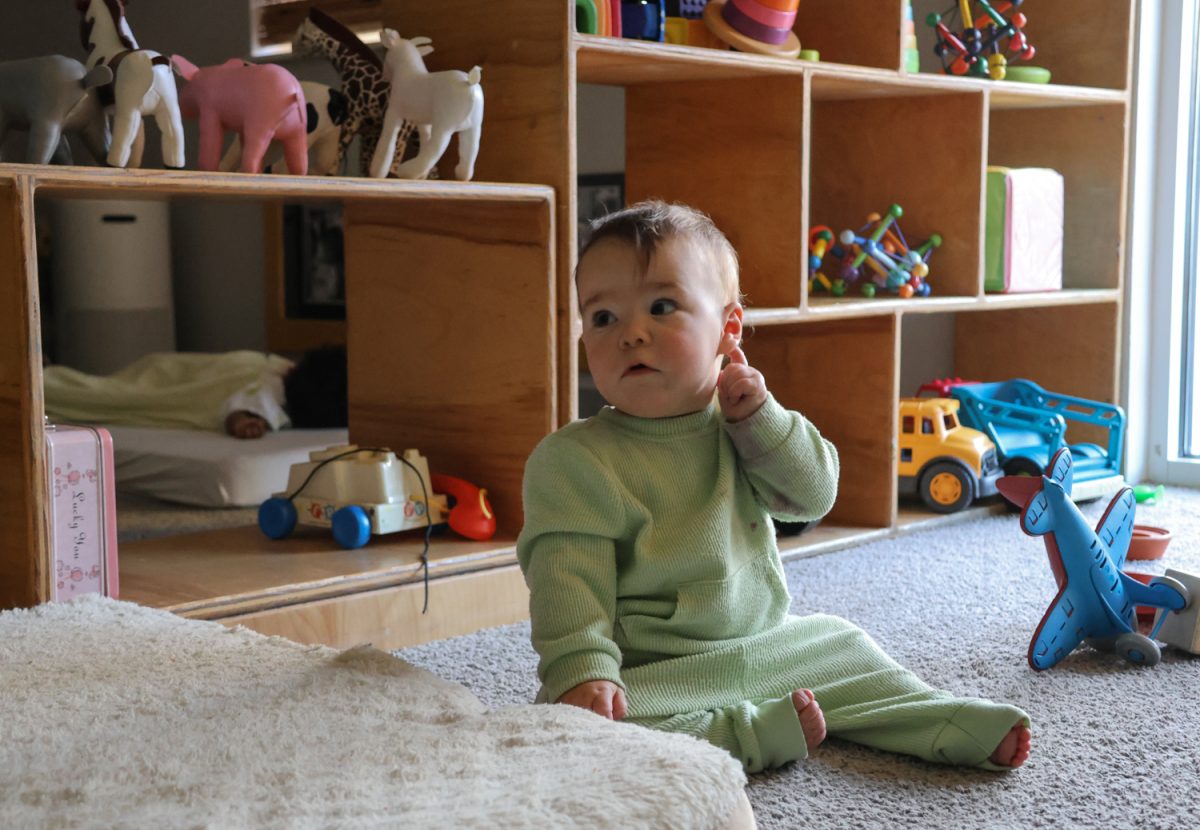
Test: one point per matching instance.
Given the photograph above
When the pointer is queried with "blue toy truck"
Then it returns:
(1028, 425)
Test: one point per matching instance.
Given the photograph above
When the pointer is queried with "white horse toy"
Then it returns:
(439, 103)
(143, 82)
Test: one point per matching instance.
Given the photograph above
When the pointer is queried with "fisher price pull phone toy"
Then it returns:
(360, 491)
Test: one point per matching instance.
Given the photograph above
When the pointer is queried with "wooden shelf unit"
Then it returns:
(766, 146)
(450, 336)
(769, 147)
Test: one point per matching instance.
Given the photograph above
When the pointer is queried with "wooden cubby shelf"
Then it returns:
(450, 336)
(768, 147)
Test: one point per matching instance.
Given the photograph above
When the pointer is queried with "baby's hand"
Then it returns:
(740, 388)
(600, 696)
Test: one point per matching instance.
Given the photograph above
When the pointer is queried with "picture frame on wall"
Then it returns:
(598, 194)
(314, 275)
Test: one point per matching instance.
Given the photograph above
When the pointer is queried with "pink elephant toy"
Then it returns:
(260, 102)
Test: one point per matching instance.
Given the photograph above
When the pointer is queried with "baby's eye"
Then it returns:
(600, 319)
(663, 306)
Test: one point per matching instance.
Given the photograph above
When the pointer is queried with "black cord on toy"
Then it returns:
(424, 495)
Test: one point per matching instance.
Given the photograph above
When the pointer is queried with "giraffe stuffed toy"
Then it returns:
(363, 84)
(143, 82)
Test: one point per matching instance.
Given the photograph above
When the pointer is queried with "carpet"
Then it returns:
(1114, 745)
(115, 715)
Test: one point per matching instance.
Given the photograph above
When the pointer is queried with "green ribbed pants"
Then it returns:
(866, 696)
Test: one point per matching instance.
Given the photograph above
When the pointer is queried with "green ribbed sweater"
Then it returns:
(651, 562)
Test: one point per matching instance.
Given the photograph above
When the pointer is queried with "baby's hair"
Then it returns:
(646, 224)
(314, 390)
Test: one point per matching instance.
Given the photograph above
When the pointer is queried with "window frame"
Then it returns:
(1159, 234)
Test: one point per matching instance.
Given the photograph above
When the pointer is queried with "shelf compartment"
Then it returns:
(806, 366)
(1067, 349)
(1082, 43)
(1093, 171)
(924, 152)
(425, 368)
(1070, 349)
(733, 149)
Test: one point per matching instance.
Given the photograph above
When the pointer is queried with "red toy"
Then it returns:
(471, 516)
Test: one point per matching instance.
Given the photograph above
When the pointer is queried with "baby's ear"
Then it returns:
(731, 333)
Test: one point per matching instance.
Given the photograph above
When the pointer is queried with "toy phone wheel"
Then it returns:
(351, 527)
(1138, 649)
(276, 517)
(946, 488)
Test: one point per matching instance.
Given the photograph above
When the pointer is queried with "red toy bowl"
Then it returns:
(1148, 542)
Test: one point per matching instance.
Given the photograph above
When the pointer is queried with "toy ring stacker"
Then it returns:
(721, 17)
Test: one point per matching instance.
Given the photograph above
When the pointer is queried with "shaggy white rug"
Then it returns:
(114, 715)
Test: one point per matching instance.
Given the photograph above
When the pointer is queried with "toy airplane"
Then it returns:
(1095, 600)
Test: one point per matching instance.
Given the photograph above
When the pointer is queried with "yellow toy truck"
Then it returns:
(947, 464)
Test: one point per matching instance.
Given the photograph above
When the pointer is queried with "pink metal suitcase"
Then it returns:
(83, 511)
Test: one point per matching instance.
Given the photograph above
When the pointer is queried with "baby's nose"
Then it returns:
(634, 334)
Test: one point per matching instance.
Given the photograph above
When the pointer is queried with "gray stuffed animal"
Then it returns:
(48, 96)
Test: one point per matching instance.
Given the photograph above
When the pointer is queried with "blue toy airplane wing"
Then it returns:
(1115, 527)
(1059, 632)
(1062, 470)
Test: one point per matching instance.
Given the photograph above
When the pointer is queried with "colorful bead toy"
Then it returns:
(876, 256)
(976, 48)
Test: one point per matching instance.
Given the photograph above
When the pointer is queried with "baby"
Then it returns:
(244, 392)
(656, 590)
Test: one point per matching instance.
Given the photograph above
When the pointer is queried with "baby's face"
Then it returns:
(653, 336)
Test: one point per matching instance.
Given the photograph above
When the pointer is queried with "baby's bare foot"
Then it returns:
(812, 719)
(1014, 748)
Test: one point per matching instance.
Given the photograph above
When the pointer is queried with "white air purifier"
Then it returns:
(111, 266)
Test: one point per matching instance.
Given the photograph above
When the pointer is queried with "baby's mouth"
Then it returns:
(638, 369)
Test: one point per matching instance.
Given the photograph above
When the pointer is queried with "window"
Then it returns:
(927, 426)
(1167, 264)
(909, 424)
(1189, 387)
(949, 421)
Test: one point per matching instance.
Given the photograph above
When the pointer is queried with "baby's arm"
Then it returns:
(793, 470)
(567, 552)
